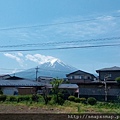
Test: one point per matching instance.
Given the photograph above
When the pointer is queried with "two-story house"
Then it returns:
(89, 86)
(80, 76)
(110, 74)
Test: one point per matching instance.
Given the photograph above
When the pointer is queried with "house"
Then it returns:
(109, 73)
(89, 86)
(80, 76)
(3, 77)
(19, 86)
(68, 89)
(44, 79)
(97, 90)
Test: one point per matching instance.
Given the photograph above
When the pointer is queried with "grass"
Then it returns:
(67, 107)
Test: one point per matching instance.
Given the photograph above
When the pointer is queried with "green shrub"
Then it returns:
(12, 98)
(77, 100)
(83, 100)
(71, 98)
(49, 97)
(61, 101)
(91, 101)
(3, 98)
(35, 98)
(53, 100)
(24, 98)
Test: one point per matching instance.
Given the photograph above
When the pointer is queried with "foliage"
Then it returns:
(24, 98)
(3, 98)
(78, 107)
(61, 98)
(108, 105)
(58, 98)
(77, 100)
(35, 98)
(45, 95)
(91, 101)
(49, 97)
(118, 79)
(54, 99)
(83, 100)
(67, 103)
(55, 85)
(71, 98)
(12, 98)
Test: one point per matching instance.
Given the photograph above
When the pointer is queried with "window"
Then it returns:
(72, 77)
(88, 77)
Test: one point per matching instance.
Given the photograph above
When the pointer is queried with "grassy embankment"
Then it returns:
(27, 105)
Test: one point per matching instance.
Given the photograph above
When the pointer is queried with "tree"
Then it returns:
(56, 91)
(45, 95)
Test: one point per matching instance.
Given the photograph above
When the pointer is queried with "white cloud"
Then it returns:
(89, 28)
(85, 29)
(20, 54)
(15, 57)
(23, 60)
(106, 18)
(40, 59)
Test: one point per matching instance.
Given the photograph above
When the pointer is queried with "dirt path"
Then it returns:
(27, 109)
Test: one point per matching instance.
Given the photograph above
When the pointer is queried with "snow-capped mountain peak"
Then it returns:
(47, 66)
(52, 62)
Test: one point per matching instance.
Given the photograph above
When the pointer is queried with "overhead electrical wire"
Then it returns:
(63, 42)
(54, 24)
(60, 48)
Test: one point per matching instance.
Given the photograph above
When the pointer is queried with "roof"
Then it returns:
(69, 86)
(45, 77)
(5, 75)
(20, 83)
(14, 78)
(115, 68)
(79, 72)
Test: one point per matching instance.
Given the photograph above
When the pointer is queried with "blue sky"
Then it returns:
(98, 19)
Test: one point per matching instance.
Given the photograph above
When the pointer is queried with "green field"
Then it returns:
(11, 104)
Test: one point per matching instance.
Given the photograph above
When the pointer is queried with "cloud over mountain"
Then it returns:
(40, 59)
(36, 59)
(47, 65)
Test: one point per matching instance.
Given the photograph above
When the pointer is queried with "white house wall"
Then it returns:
(9, 90)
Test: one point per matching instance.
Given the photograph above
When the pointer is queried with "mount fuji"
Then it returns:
(51, 68)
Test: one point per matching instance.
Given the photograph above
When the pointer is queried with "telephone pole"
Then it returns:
(36, 72)
(106, 89)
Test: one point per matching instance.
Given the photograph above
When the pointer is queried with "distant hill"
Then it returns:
(54, 68)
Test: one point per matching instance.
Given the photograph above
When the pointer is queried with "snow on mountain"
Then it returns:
(51, 67)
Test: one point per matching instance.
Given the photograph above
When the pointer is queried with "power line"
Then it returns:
(64, 42)
(61, 48)
(53, 24)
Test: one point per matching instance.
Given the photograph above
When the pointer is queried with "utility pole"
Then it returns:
(106, 89)
(36, 72)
